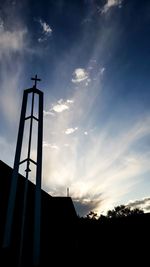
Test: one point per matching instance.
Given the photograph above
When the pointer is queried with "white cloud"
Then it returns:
(80, 75)
(111, 3)
(59, 107)
(52, 146)
(70, 101)
(46, 28)
(71, 130)
(46, 31)
(46, 113)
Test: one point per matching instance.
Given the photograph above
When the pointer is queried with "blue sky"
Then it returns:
(93, 58)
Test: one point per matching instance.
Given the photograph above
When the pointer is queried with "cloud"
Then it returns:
(66, 145)
(52, 146)
(102, 70)
(80, 75)
(142, 204)
(11, 41)
(13, 45)
(46, 31)
(59, 107)
(71, 130)
(70, 101)
(84, 206)
(47, 113)
(46, 28)
(111, 3)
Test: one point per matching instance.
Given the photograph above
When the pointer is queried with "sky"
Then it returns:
(93, 57)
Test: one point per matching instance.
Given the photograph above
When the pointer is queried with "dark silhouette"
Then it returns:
(92, 215)
(84, 240)
(58, 219)
(123, 211)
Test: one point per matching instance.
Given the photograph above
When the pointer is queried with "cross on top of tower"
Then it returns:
(36, 80)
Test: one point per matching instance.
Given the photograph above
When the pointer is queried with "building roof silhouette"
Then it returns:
(57, 217)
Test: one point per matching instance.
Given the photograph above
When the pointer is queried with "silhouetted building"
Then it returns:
(58, 218)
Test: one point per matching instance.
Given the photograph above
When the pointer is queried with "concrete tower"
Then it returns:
(27, 160)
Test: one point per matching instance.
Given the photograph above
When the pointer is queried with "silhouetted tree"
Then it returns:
(92, 215)
(123, 211)
(102, 218)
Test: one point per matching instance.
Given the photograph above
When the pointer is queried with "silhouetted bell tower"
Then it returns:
(38, 164)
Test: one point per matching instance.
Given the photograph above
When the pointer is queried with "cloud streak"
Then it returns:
(13, 44)
(11, 41)
(111, 3)
(46, 31)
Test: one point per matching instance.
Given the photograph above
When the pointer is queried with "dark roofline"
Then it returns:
(43, 193)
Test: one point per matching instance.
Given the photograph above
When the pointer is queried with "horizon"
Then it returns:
(93, 58)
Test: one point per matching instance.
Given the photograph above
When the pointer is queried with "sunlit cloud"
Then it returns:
(80, 75)
(59, 107)
(143, 204)
(52, 146)
(47, 113)
(70, 101)
(111, 3)
(71, 130)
